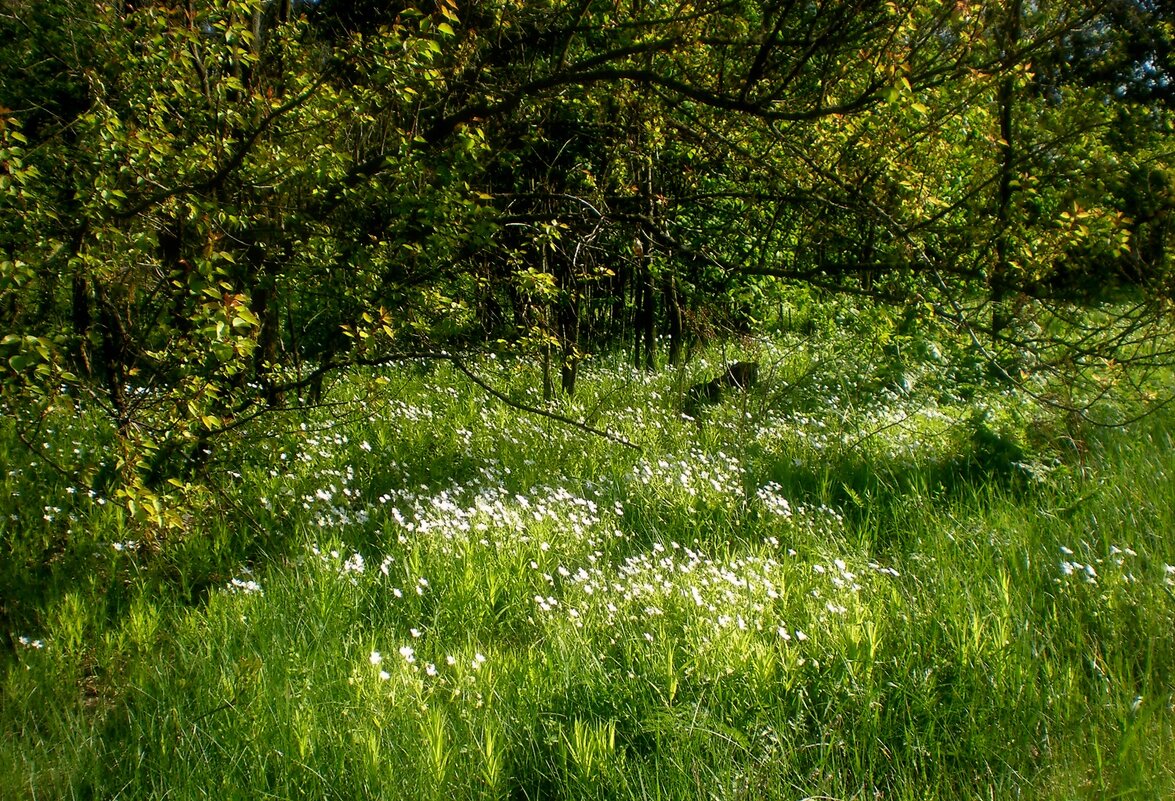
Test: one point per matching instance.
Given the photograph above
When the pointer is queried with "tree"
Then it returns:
(212, 206)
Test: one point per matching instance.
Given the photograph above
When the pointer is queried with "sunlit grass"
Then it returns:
(844, 585)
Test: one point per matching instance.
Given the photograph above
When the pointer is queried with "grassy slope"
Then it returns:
(831, 588)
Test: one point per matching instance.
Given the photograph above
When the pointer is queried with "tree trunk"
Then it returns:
(265, 356)
(1001, 271)
(648, 318)
(638, 303)
(673, 312)
(82, 321)
(114, 358)
(548, 383)
(569, 314)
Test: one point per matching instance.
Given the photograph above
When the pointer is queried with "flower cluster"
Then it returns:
(770, 497)
(409, 662)
(698, 474)
(1119, 567)
(349, 568)
(244, 587)
(745, 593)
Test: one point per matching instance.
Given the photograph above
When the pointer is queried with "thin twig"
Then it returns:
(460, 365)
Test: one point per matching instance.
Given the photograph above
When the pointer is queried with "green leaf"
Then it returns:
(247, 317)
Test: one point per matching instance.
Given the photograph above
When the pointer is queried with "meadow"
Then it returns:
(875, 575)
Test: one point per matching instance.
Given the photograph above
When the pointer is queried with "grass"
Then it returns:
(844, 585)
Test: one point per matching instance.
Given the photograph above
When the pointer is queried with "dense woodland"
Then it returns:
(212, 209)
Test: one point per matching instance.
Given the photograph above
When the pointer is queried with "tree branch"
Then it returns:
(460, 365)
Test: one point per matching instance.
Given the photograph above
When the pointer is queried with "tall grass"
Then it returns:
(843, 585)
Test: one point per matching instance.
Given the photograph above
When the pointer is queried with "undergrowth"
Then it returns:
(850, 582)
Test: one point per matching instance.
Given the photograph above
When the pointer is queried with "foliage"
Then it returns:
(213, 208)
